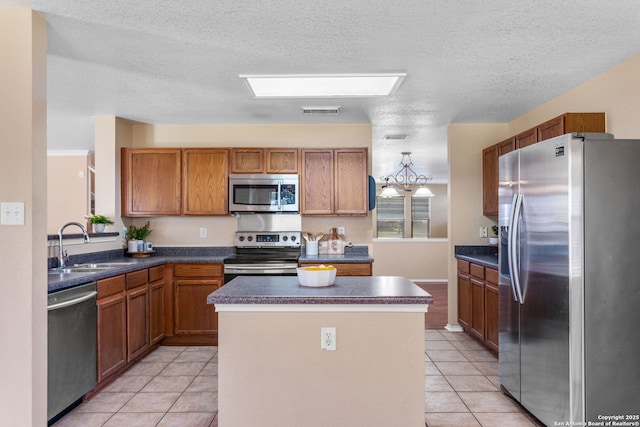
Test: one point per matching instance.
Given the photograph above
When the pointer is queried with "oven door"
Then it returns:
(232, 271)
(263, 193)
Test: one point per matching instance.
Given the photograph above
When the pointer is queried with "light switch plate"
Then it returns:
(12, 213)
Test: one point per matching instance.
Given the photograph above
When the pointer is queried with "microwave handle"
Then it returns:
(279, 195)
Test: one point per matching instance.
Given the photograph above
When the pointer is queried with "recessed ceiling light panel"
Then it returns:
(322, 85)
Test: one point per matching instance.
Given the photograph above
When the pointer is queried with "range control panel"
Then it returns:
(254, 239)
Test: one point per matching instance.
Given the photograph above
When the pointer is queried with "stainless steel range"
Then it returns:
(266, 244)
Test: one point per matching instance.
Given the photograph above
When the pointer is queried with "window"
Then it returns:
(403, 217)
(390, 217)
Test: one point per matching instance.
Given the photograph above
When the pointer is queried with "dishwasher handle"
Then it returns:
(74, 301)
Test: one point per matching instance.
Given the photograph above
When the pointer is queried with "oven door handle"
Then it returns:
(262, 267)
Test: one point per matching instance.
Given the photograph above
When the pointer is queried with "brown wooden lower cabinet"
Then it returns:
(189, 320)
(130, 318)
(137, 313)
(347, 269)
(112, 326)
(156, 304)
(478, 302)
(464, 295)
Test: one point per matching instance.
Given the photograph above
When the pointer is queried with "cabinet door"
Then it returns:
(205, 182)
(477, 308)
(526, 138)
(193, 316)
(156, 311)
(112, 335)
(351, 182)
(247, 160)
(137, 321)
(282, 160)
(491, 316)
(151, 182)
(506, 146)
(551, 128)
(490, 180)
(464, 301)
(317, 182)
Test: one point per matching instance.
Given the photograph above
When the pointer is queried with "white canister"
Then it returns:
(132, 246)
(148, 246)
(312, 248)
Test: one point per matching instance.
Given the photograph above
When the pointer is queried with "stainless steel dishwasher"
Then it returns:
(72, 359)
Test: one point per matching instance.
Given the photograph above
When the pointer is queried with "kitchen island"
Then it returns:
(273, 372)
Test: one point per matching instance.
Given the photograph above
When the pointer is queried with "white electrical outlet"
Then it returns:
(203, 231)
(328, 339)
(483, 231)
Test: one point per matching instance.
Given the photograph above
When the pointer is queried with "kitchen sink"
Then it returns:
(79, 269)
(103, 265)
(89, 267)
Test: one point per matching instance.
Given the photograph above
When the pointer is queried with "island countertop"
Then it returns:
(345, 290)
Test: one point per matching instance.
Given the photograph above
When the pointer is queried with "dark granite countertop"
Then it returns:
(165, 255)
(345, 290)
(486, 256)
(60, 281)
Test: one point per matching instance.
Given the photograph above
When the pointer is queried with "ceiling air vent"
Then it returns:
(395, 137)
(332, 111)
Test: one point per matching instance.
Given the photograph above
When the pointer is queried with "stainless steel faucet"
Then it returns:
(62, 255)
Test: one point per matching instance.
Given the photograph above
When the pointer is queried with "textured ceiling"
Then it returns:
(173, 61)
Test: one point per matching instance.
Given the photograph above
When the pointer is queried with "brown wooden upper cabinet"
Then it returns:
(526, 138)
(282, 160)
(334, 182)
(489, 179)
(566, 123)
(205, 181)
(151, 180)
(264, 160)
(317, 182)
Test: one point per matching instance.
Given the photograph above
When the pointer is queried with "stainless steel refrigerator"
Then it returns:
(569, 220)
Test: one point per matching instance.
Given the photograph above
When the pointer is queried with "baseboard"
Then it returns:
(454, 328)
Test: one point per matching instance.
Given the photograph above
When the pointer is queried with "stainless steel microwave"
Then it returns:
(264, 193)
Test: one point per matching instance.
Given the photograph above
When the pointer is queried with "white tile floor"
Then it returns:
(177, 386)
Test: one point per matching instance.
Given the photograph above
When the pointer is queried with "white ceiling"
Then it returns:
(175, 61)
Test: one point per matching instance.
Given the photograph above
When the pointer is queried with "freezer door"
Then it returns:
(544, 274)
(509, 307)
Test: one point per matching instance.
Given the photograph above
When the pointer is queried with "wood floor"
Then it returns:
(436, 318)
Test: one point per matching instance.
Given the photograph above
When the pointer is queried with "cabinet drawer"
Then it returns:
(198, 270)
(463, 266)
(491, 275)
(110, 286)
(477, 271)
(137, 278)
(156, 273)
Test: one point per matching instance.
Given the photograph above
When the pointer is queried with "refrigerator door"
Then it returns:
(612, 288)
(509, 306)
(544, 274)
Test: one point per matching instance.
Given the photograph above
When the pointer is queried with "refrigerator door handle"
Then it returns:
(510, 257)
(514, 225)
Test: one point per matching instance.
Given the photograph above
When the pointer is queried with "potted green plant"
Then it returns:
(99, 222)
(494, 240)
(136, 236)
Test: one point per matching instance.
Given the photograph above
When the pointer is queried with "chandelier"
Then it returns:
(404, 179)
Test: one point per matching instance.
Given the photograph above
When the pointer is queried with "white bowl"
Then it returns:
(316, 278)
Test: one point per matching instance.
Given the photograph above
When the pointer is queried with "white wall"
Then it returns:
(23, 166)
